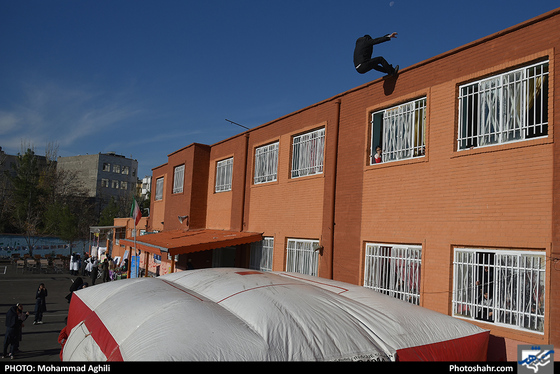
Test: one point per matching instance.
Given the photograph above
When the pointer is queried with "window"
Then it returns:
(266, 163)
(224, 173)
(504, 108)
(261, 254)
(159, 189)
(116, 169)
(125, 170)
(307, 153)
(500, 286)
(399, 131)
(178, 178)
(124, 185)
(104, 182)
(115, 184)
(106, 167)
(394, 270)
(302, 256)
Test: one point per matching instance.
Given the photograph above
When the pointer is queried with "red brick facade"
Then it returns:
(500, 197)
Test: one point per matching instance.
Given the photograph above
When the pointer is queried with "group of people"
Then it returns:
(15, 318)
(92, 267)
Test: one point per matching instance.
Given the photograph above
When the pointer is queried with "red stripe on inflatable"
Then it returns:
(79, 312)
(468, 348)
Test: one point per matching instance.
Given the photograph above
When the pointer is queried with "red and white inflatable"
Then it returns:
(228, 314)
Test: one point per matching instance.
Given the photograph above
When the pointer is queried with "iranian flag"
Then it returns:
(135, 212)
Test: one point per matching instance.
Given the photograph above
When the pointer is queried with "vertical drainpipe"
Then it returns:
(245, 181)
(332, 188)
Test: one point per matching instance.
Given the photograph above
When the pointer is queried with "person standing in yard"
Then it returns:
(105, 270)
(11, 332)
(40, 303)
(19, 331)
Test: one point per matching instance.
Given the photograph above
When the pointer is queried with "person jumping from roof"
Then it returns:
(363, 52)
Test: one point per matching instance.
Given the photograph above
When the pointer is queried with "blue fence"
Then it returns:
(10, 244)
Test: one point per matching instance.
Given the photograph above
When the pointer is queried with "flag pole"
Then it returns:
(136, 215)
(136, 250)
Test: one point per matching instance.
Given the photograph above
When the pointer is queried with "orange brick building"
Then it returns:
(462, 215)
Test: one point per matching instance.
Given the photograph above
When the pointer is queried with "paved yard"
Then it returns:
(39, 342)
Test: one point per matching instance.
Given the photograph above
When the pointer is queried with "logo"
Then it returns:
(535, 359)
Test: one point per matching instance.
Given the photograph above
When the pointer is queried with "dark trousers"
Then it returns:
(376, 63)
(9, 339)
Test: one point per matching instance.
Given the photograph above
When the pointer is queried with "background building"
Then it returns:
(104, 175)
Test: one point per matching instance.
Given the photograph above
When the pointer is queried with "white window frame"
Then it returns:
(302, 256)
(115, 184)
(515, 282)
(262, 254)
(266, 163)
(116, 168)
(224, 175)
(394, 270)
(402, 132)
(124, 185)
(178, 178)
(106, 166)
(125, 170)
(308, 153)
(159, 189)
(104, 182)
(504, 108)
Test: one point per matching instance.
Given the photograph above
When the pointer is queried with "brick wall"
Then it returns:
(499, 197)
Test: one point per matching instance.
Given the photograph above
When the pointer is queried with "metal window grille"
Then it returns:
(501, 287)
(302, 256)
(261, 254)
(402, 130)
(266, 163)
(394, 270)
(307, 153)
(224, 174)
(178, 178)
(504, 108)
(159, 189)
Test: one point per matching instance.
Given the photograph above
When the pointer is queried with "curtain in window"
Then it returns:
(397, 132)
(508, 107)
(490, 104)
(514, 98)
(419, 127)
(307, 153)
(404, 128)
(178, 178)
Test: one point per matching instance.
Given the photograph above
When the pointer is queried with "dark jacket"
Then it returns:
(40, 302)
(12, 318)
(364, 48)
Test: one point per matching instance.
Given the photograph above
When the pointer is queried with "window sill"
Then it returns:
(502, 147)
(306, 177)
(408, 161)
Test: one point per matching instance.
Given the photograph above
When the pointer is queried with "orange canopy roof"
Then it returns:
(176, 242)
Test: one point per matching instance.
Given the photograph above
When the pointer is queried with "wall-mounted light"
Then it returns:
(318, 247)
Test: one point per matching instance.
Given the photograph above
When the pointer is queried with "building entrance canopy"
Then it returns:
(175, 242)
